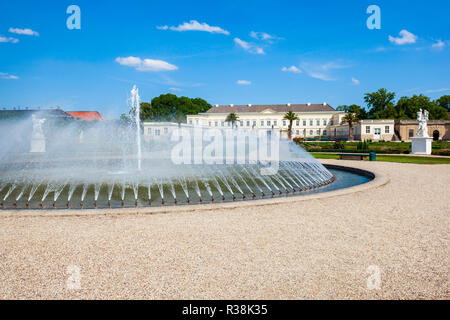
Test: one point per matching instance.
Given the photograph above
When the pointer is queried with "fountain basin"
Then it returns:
(221, 184)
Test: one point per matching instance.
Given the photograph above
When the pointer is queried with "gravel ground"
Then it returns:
(314, 249)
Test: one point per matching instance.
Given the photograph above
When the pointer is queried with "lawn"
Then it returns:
(390, 158)
(439, 147)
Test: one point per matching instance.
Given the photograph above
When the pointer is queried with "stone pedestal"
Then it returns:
(421, 145)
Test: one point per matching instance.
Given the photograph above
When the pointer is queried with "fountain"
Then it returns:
(112, 167)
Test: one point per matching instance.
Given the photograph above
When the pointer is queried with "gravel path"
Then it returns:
(315, 249)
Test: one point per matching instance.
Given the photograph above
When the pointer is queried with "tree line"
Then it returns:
(382, 105)
(169, 107)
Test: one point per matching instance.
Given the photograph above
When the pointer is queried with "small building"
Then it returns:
(86, 115)
(160, 130)
(438, 129)
(375, 130)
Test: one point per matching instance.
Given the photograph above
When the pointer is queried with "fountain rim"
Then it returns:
(378, 179)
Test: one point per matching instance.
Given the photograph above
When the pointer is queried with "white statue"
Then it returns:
(37, 136)
(422, 117)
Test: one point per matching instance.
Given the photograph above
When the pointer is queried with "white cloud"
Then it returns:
(27, 32)
(262, 36)
(292, 69)
(146, 65)
(322, 71)
(250, 47)
(8, 76)
(194, 25)
(356, 82)
(437, 90)
(9, 39)
(244, 82)
(406, 38)
(175, 89)
(439, 45)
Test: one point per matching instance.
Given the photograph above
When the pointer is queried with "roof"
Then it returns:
(86, 115)
(275, 107)
(43, 113)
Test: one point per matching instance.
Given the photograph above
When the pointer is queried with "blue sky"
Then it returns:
(324, 47)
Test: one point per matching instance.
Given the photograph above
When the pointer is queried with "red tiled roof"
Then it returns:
(274, 107)
(86, 115)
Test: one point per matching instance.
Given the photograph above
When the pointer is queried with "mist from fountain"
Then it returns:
(114, 165)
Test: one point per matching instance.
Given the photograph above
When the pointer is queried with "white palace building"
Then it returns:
(314, 119)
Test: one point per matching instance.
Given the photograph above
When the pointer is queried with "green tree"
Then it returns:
(380, 103)
(290, 116)
(444, 102)
(351, 118)
(124, 119)
(233, 118)
(179, 118)
(146, 111)
(354, 108)
(407, 108)
(167, 107)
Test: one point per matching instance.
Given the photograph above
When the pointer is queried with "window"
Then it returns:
(190, 121)
(268, 123)
(209, 123)
(166, 130)
(262, 123)
(310, 132)
(275, 123)
(229, 123)
(216, 124)
(304, 123)
(157, 132)
(254, 123)
(324, 122)
(318, 122)
(248, 123)
(297, 132)
(331, 122)
(297, 123)
(242, 123)
(149, 130)
(284, 123)
(318, 132)
(311, 123)
(386, 129)
(367, 129)
(324, 132)
(377, 131)
(223, 123)
(411, 133)
(196, 122)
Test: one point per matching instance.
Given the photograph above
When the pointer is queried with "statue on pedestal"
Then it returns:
(421, 142)
(422, 117)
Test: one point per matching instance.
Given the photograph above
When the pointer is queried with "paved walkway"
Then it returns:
(313, 249)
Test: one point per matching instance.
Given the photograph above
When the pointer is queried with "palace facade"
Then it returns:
(314, 119)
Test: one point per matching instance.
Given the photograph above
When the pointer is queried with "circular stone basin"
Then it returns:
(215, 184)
